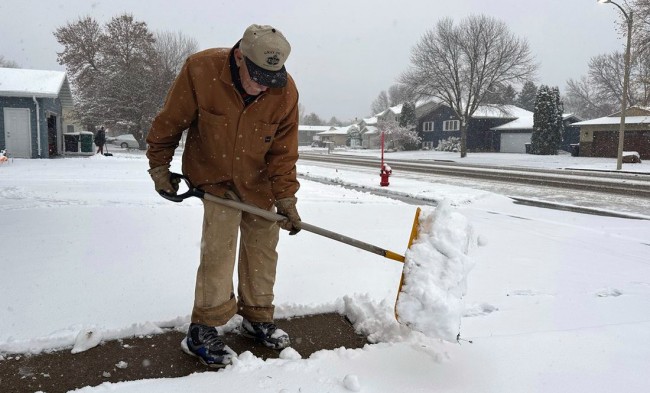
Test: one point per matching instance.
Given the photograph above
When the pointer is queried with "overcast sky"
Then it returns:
(344, 52)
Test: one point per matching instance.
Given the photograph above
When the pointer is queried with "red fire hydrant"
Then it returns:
(384, 174)
(385, 170)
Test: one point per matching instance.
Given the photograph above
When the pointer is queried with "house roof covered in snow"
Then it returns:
(526, 123)
(337, 130)
(368, 130)
(369, 120)
(609, 120)
(16, 82)
(313, 128)
(501, 112)
(397, 109)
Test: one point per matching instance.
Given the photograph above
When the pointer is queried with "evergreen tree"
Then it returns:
(312, 119)
(408, 120)
(335, 122)
(527, 96)
(547, 122)
(407, 117)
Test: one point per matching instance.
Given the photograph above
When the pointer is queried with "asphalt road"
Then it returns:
(610, 193)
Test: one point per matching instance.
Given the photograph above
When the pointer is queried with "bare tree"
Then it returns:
(114, 72)
(380, 104)
(459, 64)
(599, 94)
(583, 100)
(82, 41)
(301, 113)
(173, 48)
(641, 10)
(8, 63)
(398, 94)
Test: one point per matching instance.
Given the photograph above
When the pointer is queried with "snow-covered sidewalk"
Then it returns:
(556, 301)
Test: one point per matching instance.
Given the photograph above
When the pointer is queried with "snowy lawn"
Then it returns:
(556, 301)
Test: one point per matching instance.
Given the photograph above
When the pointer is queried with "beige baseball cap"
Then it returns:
(265, 50)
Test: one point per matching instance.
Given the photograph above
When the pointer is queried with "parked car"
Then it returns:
(126, 141)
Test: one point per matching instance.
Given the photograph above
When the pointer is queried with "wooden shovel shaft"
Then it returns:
(271, 216)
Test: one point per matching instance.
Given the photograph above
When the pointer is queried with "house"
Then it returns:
(440, 122)
(368, 127)
(599, 137)
(370, 137)
(32, 103)
(515, 135)
(337, 136)
(309, 134)
(392, 113)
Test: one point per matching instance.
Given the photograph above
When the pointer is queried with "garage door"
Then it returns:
(17, 132)
(514, 143)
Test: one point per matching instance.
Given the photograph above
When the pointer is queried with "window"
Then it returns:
(427, 126)
(427, 145)
(451, 125)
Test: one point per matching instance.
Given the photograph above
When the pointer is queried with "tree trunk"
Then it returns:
(463, 139)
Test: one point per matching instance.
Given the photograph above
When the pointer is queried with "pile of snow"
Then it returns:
(435, 274)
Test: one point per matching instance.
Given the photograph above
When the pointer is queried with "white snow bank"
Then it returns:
(435, 274)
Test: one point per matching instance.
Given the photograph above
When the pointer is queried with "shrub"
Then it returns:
(450, 144)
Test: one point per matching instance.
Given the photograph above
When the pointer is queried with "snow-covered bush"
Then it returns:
(450, 144)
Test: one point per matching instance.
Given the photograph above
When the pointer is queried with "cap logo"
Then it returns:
(273, 60)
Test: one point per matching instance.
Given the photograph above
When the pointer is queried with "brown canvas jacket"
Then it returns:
(252, 151)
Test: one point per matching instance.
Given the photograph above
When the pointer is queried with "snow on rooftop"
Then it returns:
(522, 123)
(370, 120)
(336, 131)
(313, 128)
(614, 120)
(504, 111)
(27, 83)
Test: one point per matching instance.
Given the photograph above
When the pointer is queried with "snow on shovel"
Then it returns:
(429, 297)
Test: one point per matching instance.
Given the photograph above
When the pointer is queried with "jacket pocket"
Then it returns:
(263, 137)
(212, 128)
(208, 120)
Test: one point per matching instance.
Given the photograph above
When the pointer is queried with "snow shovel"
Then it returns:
(271, 216)
(107, 154)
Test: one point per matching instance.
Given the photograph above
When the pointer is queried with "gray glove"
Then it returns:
(161, 177)
(287, 208)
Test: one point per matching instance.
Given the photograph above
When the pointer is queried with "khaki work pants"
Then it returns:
(214, 298)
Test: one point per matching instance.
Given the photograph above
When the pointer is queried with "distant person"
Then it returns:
(241, 108)
(100, 140)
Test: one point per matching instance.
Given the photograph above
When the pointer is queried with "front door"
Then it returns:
(52, 140)
(18, 135)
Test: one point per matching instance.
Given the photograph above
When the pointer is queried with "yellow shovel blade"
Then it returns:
(414, 235)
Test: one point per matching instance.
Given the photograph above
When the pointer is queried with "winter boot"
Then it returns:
(266, 333)
(205, 343)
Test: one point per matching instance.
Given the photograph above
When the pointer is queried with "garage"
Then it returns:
(31, 112)
(514, 142)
